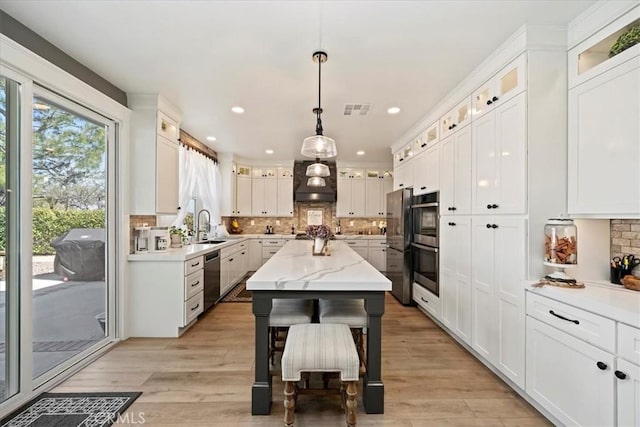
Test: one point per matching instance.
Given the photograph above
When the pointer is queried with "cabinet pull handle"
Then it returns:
(489, 102)
(450, 127)
(577, 322)
(621, 375)
(230, 259)
(196, 264)
(196, 307)
(453, 208)
(453, 125)
(400, 185)
(452, 224)
(400, 160)
(488, 225)
(242, 253)
(195, 284)
(495, 98)
(494, 206)
(424, 300)
(494, 226)
(423, 145)
(601, 365)
(489, 206)
(423, 188)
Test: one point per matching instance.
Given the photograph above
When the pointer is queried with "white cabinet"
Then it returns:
(234, 264)
(498, 273)
(264, 191)
(628, 383)
(455, 173)
(165, 296)
(377, 254)
(426, 172)
(507, 83)
(243, 191)
(377, 185)
(255, 254)
(285, 192)
(572, 379)
(456, 119)
(360, 246)
(351, 197)
(455, 275)
(154, 134)
(499, 159)
(604, 144)
(426, 300)
(403, 176)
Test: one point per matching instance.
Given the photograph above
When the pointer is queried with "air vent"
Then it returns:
(357, 109)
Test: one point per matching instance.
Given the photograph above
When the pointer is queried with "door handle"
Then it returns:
(577, 322)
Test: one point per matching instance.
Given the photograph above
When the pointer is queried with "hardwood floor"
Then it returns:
(204, 379)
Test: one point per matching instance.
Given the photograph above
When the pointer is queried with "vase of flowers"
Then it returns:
(320, 235)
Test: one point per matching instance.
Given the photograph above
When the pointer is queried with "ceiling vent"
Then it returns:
(357, 109)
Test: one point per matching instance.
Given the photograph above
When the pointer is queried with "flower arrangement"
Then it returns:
(319, 232)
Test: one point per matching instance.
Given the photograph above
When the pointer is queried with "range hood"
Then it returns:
(305, 193)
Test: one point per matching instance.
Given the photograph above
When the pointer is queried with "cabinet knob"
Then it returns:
(488, 225)
(488, 206)
(621, 375)
(453, 224)
(449, 208)
(178, 208)
(494, 99)
(601, 365)
(494, 226)
(423, 145)
(423, 188)
(450, 127)
(400, 160)
(400, 185)
(453, 208)
(489, 102)
(494, 206)
(453, 125)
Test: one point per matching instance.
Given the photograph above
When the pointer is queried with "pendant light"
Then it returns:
(318, 169)
(319, 145)
(316, 181)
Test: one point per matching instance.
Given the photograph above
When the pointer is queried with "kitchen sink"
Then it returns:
(215, 242)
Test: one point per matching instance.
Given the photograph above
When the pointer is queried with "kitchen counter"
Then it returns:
(185, 252)
(606, 299)
(294, 268)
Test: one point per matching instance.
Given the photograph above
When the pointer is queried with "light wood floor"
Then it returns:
(204, 378)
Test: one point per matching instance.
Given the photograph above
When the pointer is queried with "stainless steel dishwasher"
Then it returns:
(211, 279)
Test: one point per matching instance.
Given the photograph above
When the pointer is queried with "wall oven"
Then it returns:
(424, 249)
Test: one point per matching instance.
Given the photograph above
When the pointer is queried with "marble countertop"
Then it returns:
(184, 253)
(603, 298)
(294, 268)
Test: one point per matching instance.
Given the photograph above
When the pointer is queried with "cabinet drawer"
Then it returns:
(237, 247)
(192, 265)
(378, 243)
(193, 284)
(269, 252)
(357, 243)
(273, 242)
(629, 343)
(589, 327)
(426, 300)
(193, 307)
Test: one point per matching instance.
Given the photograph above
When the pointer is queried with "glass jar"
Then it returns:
(560, 242)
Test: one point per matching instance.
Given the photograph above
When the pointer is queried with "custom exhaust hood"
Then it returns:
(306, 193)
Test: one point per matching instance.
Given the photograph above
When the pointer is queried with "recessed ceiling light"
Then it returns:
(393, 110)
(211, 138)
(237, 110)
(360, 153)
(268, 151)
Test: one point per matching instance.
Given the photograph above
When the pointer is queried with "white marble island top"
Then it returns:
(293, 268)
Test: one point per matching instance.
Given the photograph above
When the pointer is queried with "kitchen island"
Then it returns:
(294, 273)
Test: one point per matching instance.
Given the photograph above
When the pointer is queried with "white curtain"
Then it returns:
(199, 178)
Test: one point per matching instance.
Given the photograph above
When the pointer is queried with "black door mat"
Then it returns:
(75, 410)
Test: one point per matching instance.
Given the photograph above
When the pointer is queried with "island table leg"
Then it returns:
(261, 390)
(373, 389)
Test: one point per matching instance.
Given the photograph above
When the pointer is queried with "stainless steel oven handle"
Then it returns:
(426, 205)
(426, 248)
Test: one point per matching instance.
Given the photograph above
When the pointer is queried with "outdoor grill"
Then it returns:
(80, 254)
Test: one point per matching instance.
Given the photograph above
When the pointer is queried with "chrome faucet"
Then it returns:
(204, 229)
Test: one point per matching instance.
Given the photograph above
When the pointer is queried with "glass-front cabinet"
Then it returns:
(507, 83)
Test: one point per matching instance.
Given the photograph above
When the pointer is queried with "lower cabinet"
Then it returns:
(164, 297)
(582, 367)
(234, 264)
(426, 300)
(255, 254)
(377, 254)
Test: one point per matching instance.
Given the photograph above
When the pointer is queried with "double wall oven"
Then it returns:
(424, 249)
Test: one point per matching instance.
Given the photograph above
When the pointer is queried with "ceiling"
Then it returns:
(208, 56)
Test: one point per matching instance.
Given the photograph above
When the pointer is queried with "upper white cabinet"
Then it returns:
(243, 191)
(154, 134)
(404, 155)
(455, 173)
(285, 191)
(499, 159)
(604, 126)
(378, 183)
(403, 176)
(506, 84)
(456, 119)
(351, 193)
(426, 172)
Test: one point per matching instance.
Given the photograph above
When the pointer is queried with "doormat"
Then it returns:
(75, 409)
(239, 293)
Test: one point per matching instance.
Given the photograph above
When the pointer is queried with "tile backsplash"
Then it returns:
(136, 221)
(299, 221)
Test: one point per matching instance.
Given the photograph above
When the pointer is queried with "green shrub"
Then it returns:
(48, 224)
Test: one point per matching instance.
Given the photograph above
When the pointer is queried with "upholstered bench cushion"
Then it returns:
(348, 311)
(320, 347)
(287, 312)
